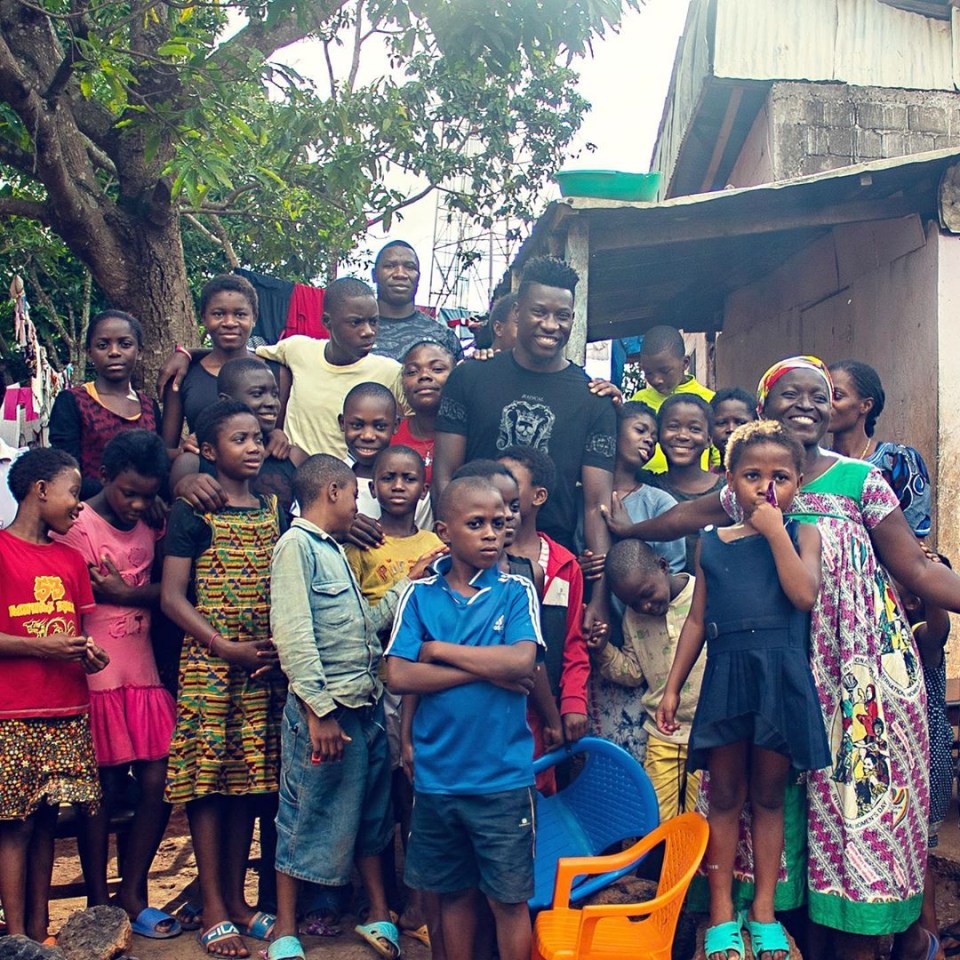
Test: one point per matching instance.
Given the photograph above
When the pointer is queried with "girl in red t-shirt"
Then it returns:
(426, 367)
(46, 751)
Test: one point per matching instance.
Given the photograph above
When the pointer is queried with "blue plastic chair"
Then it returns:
(612, 799)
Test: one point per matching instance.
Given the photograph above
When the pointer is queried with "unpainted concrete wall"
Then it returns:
(946, 470)
(868, 292)
(807, 128)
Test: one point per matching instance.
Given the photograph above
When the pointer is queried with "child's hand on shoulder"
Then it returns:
(666, 713)
(365, 533)
(278, 445)
(202, 491)
(422, 566)
(616, 516)
(767, 520)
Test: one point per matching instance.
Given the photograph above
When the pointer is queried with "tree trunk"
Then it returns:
(149, 280)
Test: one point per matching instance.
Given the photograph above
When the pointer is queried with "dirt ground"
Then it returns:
(174, 868)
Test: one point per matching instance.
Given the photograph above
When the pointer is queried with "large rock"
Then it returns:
(23, 948)
(100, 933)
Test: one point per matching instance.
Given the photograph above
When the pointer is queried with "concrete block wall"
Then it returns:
(813, 127)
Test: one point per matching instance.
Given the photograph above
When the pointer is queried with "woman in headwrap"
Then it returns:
(857, 847)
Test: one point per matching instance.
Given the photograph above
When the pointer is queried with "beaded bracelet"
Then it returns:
(209, 643)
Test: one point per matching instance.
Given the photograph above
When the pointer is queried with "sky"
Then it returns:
(626, 82)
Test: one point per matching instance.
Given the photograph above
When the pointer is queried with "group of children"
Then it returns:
(300, 538)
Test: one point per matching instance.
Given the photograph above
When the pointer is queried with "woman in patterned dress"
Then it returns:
(861, 854)
(225, 753)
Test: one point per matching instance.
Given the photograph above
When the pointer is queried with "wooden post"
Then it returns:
(578, 256)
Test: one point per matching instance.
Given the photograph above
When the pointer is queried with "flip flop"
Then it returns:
(217, 934)
(767, 937)
(722, 938)
(284, 948)
(934, 945)
(190, 916)
(374, 935)
(421, 933)
(150, 919)
(260, 926)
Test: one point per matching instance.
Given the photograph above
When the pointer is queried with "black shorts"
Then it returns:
(486, 841)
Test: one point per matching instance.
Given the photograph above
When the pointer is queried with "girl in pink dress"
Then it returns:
(131, 714)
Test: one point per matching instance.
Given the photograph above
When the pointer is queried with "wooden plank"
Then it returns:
(658, 229)
(733, 108)
(578, 256)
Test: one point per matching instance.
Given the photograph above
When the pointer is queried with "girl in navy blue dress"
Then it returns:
(758, 716)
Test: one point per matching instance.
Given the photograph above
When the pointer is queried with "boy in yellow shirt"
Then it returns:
(399, 485)
(664, 363)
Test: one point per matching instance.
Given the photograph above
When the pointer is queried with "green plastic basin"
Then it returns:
(608, 184)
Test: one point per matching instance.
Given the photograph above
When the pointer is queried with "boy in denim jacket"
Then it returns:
(335, 764)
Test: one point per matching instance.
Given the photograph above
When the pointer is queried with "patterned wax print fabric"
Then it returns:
(866, 833)
(227, 738)
(46, 760)
(904, 469)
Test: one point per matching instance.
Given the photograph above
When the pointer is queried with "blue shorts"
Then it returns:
(459, 842)
(332, 813)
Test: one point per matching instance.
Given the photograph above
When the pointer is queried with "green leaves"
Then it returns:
(193, 109)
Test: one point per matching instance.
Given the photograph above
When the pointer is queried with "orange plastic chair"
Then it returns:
(641, 931)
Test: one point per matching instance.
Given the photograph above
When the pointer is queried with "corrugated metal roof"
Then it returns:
(676, 261)
(750, 44)
(863, 42)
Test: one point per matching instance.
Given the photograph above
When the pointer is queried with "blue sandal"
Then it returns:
(382, 936)
(723, 938)
(285, 948)
(767, 937)
(260, 926)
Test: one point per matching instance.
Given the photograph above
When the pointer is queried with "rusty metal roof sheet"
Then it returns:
(676, 261)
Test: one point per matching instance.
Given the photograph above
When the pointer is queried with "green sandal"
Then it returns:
(723, 938)
(767, 937)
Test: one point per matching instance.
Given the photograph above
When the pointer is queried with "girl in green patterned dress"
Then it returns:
(225, 753)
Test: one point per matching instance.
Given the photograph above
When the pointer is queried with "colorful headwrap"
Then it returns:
(785, 366)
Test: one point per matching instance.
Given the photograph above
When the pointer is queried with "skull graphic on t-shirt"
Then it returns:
(526, 424)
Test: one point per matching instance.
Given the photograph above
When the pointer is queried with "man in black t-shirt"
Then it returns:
(396, 272)
(533, 396)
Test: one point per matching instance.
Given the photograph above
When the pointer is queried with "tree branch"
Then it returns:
(221, 232)
(220, 237)
(31, 209)
(330, 74)
(357, 44)
(404, 203)
(268, 36)
(20, 160)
